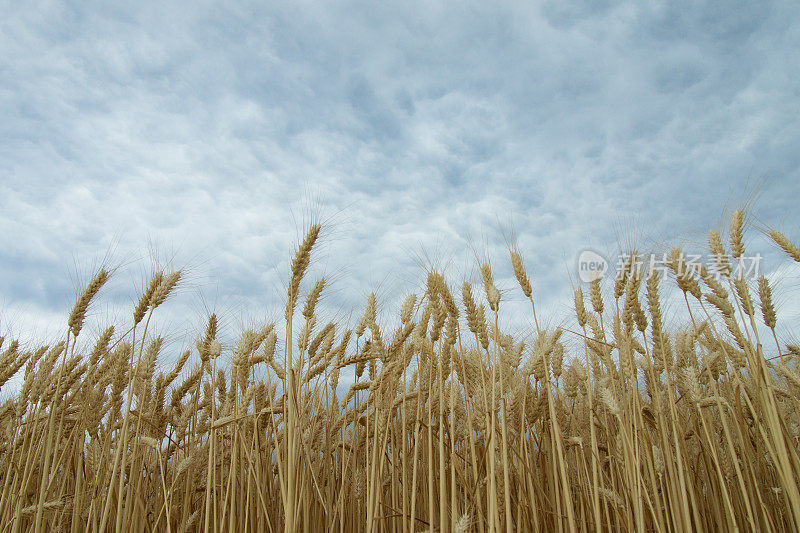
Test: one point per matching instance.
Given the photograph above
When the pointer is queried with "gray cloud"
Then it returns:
(210, 130)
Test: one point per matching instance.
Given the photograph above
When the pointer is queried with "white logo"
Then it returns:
(591, 266)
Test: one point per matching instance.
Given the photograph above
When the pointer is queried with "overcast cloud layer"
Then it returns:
(208, 132)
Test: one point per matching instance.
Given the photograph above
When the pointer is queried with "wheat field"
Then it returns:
(450, 424)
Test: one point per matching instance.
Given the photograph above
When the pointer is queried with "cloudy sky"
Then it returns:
(203, 136)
